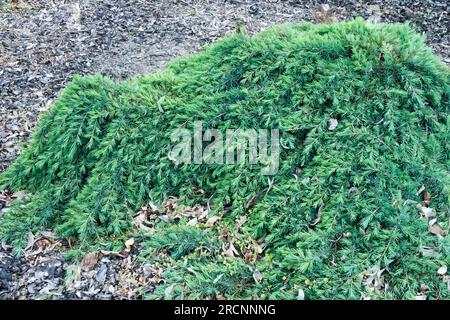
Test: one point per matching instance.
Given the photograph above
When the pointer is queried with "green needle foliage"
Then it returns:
(342, 205)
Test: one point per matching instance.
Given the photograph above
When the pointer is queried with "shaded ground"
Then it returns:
(43, 44)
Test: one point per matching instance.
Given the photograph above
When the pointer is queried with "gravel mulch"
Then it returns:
(44, 43)
(44, 273)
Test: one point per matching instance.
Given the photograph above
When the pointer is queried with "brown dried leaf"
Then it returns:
(153, 207)
(301, 295)
(372, 278)
(164, 218)
(249, 256)
(317, 220)
(424, 288)
(89, 261)
(257, 276)
(436, 230)
(129, 244)
(202, 214)
(240, 222)
(112, 253)
(198, 190)
(192, 222)
(251, 202)
(332, 124)
(231, 251)
(422, 188)
(140, 219)
(426, 212)
(260, 247)
(429, 252)
(211, 221)
(427, 198)
(48, 235)
(43, 243)
(225, 233)
(30, 241)
(442, 270)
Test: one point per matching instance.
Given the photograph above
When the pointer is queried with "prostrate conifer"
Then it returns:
(340, 219)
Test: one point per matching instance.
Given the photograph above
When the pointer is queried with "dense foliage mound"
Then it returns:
(363, 114)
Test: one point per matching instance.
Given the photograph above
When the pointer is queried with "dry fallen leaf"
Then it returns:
(192, 222)
(129, 244)
(48, 234)
(424, 288)
(260, 247)
(164, 218)
(42, 243)
(211, 221)
(422, 188)
(426, 212)
(168, 291)
(332, 124)
(429, 252)
(251, 202)
(324, 13)
(442, 270)
(89, 261)
(202, 215)
(30, 241)
(249, 256)
(317, 220)
(5, 246)
(112, 253)
(257, 276)
(218, 278)
(436, 230)
(240, 222)
(153, 207)
(198, 190)
(372, 278)
(301, 295)
(427, 198)
(139, 220)
(231, 251)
